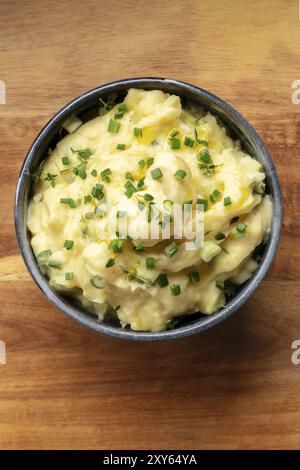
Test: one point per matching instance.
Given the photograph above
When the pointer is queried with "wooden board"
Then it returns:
(231, 387)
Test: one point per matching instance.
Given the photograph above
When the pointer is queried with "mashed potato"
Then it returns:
(150, 154)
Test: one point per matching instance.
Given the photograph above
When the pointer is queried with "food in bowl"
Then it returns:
(151, 154)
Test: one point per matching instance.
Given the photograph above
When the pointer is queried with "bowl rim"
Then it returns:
(182, 331)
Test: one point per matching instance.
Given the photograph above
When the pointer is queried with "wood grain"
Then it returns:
(232, 387)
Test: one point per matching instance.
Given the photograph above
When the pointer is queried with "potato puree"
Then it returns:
(148, 151)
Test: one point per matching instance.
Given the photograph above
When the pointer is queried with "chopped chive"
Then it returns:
(44, 253)
(138, 132)
(140, 247)
(119, 115)
(120, 147)
(171, 249)
(163, 280)
(142, 164)
(204, 203)
(168, 204)
(174, 143)
(70, 202)
(85, 230)
(110, 263)
(214, 196)
(150, 262)
(51, 178)
(83, 153)
(149, 215)
(129, 176)
(105, 175)
(194, 277)
(97, 191)
(97, 282)
(241, 227)
(220, 236)
(113, 126)
(227, 201)
(175, 289)
(68, 245)
(94, 172)
(148, 197)
(203, 142)
(189, 142)
(141, 183)
(220, 285)
(123, 108)
(116, 245)
(54, 264)
(69, 276)
(88, 198)
(205, 157)
(99, 212)
(150, 161)
(180, 174)
(130, 189)
(65, 160)
(89, 215)
(80, 170)
(156, 174)
(121, 214)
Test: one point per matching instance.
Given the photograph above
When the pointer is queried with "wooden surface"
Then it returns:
(232, 387)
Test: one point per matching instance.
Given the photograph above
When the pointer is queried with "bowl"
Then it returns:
(86, 106)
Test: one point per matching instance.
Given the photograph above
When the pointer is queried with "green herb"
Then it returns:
(37, 173)
(120, 147)
(174, 142)
(150, 262)
(69, 276)
(85, 230)
(220, 236)
(194, 277)
(172, 323)
(148, 197)
(97, 282)
(122, 108)
(116, 245)
(130, 189)
(89, 215)
(205, 157)
(204, 203)
(180, 174)
(108, 105)
(121, 214)
(220, 285)
(70, 202)
(83, 153)
(175, 289)
(68, 245)
(150, 161)
(118, 115)
(51, 178)
(149, 214)
(80, 170)
(97, 191)
(171, 249)
(214, 196)
(44, 254)
(189, 142)
(105, 175)
(140, 247)
(129, 176)
(54, 264)
(87, 199)
(141, 183)
(241, 227)
(110, 263)
(156, 174)
(227, 201)
(113, 126)
(65, 160)
(138, 132)
(99, 212)
(142, 164)
(163, 280)
(94, 172)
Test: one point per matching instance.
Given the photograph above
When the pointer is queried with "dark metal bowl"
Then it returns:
(85, 106)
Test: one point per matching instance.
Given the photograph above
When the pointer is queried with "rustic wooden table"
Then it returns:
(232, 387)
